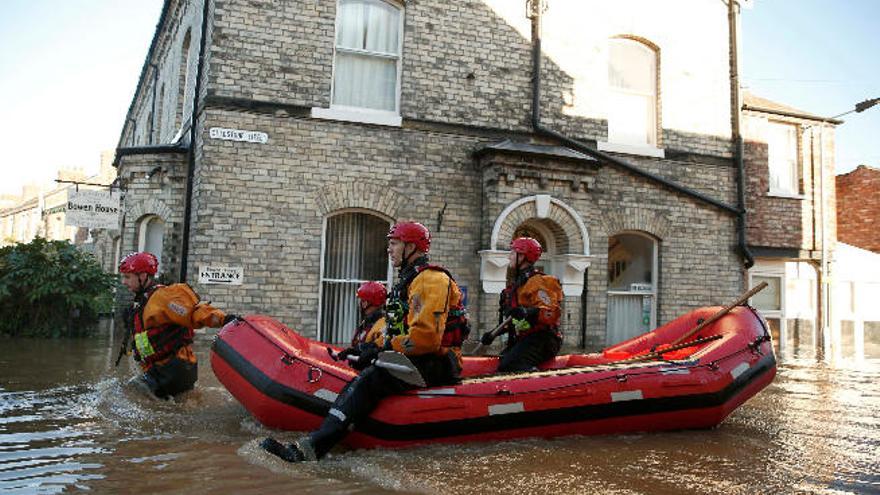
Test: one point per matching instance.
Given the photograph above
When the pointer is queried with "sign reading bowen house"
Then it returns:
(93, 209)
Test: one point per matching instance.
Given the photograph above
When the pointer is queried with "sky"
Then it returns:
(68, 70)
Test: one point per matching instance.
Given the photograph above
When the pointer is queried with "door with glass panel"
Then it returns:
(354, 252)
(632, 286)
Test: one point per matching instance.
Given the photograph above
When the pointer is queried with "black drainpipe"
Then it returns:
(583, 148)
(742, 244)
(191, 163)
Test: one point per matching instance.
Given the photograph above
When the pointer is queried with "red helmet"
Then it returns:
(527, 247)
(139, 263)
(373, 293)
(413, 232)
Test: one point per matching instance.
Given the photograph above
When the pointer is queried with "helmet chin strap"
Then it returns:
(405, 261)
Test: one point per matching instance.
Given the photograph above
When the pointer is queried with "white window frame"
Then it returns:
(793, 189)
(651, 147)
(360, 114)
(321, 279)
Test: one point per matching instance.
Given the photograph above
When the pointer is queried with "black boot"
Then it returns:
(290, 452)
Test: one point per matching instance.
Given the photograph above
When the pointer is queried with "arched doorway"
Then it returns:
(632, 286)
(151, 236)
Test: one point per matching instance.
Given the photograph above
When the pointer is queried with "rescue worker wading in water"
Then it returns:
(533, 300)
(425, 321)
(161, 320)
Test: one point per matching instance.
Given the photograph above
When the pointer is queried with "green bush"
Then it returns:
(51, 289)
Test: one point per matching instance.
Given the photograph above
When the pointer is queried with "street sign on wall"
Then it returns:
(216, 274)
(93, 209)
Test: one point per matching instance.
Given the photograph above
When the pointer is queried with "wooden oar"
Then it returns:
(476, 347)
(742, 300)
(398, 365)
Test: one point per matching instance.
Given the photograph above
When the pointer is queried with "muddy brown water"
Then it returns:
(70, 423)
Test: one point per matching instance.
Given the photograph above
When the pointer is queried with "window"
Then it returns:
(768, 300)
(632, 93)
(183, 82)
(151, 235)
(367, 63)
(354, 252)
(782, 158)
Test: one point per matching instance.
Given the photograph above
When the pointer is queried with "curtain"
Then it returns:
(367, 53)
(354, 252)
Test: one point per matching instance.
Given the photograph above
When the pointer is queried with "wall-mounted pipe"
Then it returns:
(540, 129)
(191, 162)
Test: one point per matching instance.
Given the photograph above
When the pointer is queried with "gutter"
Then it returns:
(535, 15)
(191, 163)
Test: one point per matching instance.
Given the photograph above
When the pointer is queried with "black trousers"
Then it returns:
(172, 378)
(361, 396)
(528, 352)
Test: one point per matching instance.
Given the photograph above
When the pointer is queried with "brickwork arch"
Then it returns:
(635, 219)
(366, 195)
(150, 206)
(565, 228)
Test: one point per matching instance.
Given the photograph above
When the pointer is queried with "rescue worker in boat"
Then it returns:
(371, 300)
(425, 321)
(161, 320)
(532, 299)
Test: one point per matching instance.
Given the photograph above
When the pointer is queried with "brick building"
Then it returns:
(858, 208)
(319, 123)
(789, 161)
(41, 211)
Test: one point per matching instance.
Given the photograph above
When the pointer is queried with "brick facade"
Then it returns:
(858, 208)
(465, 86)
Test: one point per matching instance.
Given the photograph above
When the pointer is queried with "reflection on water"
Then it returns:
(68, 422)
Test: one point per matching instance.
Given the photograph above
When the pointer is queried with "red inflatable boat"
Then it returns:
(288, 382)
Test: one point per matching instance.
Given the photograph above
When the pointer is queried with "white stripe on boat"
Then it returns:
(739, 370)
(675, 371)
(328, 395)
(628, 395)
(428, 394)
(513, 407)
(339, 414)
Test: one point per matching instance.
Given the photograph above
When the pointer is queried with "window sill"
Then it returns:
(361, 115)
(784, 194)
(631, 149)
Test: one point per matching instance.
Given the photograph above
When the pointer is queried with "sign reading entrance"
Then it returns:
(92, 209)
(239, 135)
(216, 274)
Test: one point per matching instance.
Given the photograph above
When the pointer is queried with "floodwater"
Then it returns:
(69, 423)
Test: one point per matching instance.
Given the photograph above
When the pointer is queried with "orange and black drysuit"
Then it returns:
(534, 301)
(162, 320)
(368, 325)
(425, 320)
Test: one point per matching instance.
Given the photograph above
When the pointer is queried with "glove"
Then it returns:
(230, 318)
(487, 338)
(343, 354)
(368, 354)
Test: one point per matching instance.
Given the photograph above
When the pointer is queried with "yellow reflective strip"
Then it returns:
(142, 342)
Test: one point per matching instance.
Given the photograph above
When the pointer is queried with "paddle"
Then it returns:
(476, 347)
(398, 365)
(727, 309)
